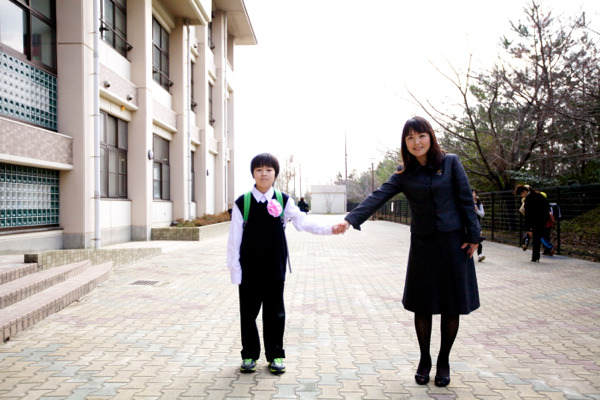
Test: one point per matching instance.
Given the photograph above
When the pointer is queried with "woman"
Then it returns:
(302, 205)
(537, 213)
(440, 277)
(480, 214)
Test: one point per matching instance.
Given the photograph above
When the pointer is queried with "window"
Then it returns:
(192, 66)
(209, 32)
(29, 197)
(113, 157)
(160, 55)
(211, 120)
(114, 25)
(161, 171)
(193, 177)
(29, 31)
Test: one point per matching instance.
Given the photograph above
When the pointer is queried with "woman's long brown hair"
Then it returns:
(435, 155)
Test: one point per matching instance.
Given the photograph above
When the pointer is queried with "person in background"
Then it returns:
(480, 214)
(548, 246)
(440, 276)
(546, 243)
(302, 205)
(537, 213)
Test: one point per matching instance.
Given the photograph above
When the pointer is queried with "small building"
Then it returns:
(328, 199)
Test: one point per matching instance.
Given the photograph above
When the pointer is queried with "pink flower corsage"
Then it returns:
(274, 208)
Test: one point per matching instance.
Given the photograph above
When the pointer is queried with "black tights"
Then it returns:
(449, 328)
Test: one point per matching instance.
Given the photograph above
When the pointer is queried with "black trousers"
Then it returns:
(536, 240)
(269, 295)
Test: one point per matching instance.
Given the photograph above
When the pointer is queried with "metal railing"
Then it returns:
(577, 231)
(105, 27)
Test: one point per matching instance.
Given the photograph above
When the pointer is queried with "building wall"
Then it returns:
(129, 92)
(322, 203)
(29, 145)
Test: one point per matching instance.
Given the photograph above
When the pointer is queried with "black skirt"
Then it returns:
(440, 277)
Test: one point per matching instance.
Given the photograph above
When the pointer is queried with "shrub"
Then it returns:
(206, 219)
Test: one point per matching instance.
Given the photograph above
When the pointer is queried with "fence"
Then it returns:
(576, 232)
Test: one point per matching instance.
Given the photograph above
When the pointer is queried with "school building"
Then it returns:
(162, 75)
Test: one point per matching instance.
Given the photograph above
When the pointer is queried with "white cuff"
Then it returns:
(236, 277)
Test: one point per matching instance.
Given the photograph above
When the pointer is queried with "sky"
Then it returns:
(324, 69)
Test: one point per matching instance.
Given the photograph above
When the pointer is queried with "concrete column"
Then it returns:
(201, 96)
(179, 145)
(230, 144)
(219, 106)
(139, 172)
(75, 118)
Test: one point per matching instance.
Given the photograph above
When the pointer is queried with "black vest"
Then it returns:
(263, 251)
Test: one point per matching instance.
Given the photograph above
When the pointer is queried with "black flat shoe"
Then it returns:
(538, 260)
(442, 381)
(422, 379)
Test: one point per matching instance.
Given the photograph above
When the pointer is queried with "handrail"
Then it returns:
(154, 70)
(105, 27)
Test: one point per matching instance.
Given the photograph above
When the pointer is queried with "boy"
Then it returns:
(256, 258)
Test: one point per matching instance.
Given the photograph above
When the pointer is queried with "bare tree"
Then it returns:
(329, 200)
(533, 114)
(287, 173)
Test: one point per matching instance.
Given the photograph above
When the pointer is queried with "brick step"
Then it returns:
(20, 316)
(11, 272)
(22, 288)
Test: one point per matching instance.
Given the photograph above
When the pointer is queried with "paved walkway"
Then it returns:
(537, 334)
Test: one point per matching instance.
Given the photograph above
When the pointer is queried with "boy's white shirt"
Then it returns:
(236, 229)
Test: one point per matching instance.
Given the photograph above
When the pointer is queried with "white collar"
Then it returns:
(262, 197)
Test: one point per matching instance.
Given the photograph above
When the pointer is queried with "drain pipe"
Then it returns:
(96, 95)
(189, 119)
(225, 112)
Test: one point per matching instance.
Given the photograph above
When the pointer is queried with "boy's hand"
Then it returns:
(341, 228)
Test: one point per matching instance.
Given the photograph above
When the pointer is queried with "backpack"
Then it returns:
(247, 200)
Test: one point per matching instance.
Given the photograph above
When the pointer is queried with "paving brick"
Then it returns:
(347, 334)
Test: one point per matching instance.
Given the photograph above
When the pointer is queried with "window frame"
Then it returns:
(163, 52)
(211, 120)
(193, 177)
(120, 150)
(164, 169)
(104, 27)
(27, 54)
(193, 103)
(209, 35)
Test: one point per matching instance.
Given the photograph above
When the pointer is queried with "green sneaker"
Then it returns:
(248, 365)
(277, 366)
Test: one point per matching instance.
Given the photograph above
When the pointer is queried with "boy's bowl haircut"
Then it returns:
(265, 160)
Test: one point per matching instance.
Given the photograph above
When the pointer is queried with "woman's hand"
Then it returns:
(472, 249)
(341, 228)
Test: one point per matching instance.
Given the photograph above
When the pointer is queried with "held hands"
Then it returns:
(472, 248)
(340, 228)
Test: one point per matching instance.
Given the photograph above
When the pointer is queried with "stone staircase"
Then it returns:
(28, 296)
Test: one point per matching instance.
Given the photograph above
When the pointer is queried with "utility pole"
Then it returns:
(346, 156)
(372, 183)
(300, 169)
(346, 167)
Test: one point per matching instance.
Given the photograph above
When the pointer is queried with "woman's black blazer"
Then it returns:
(439, 200)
